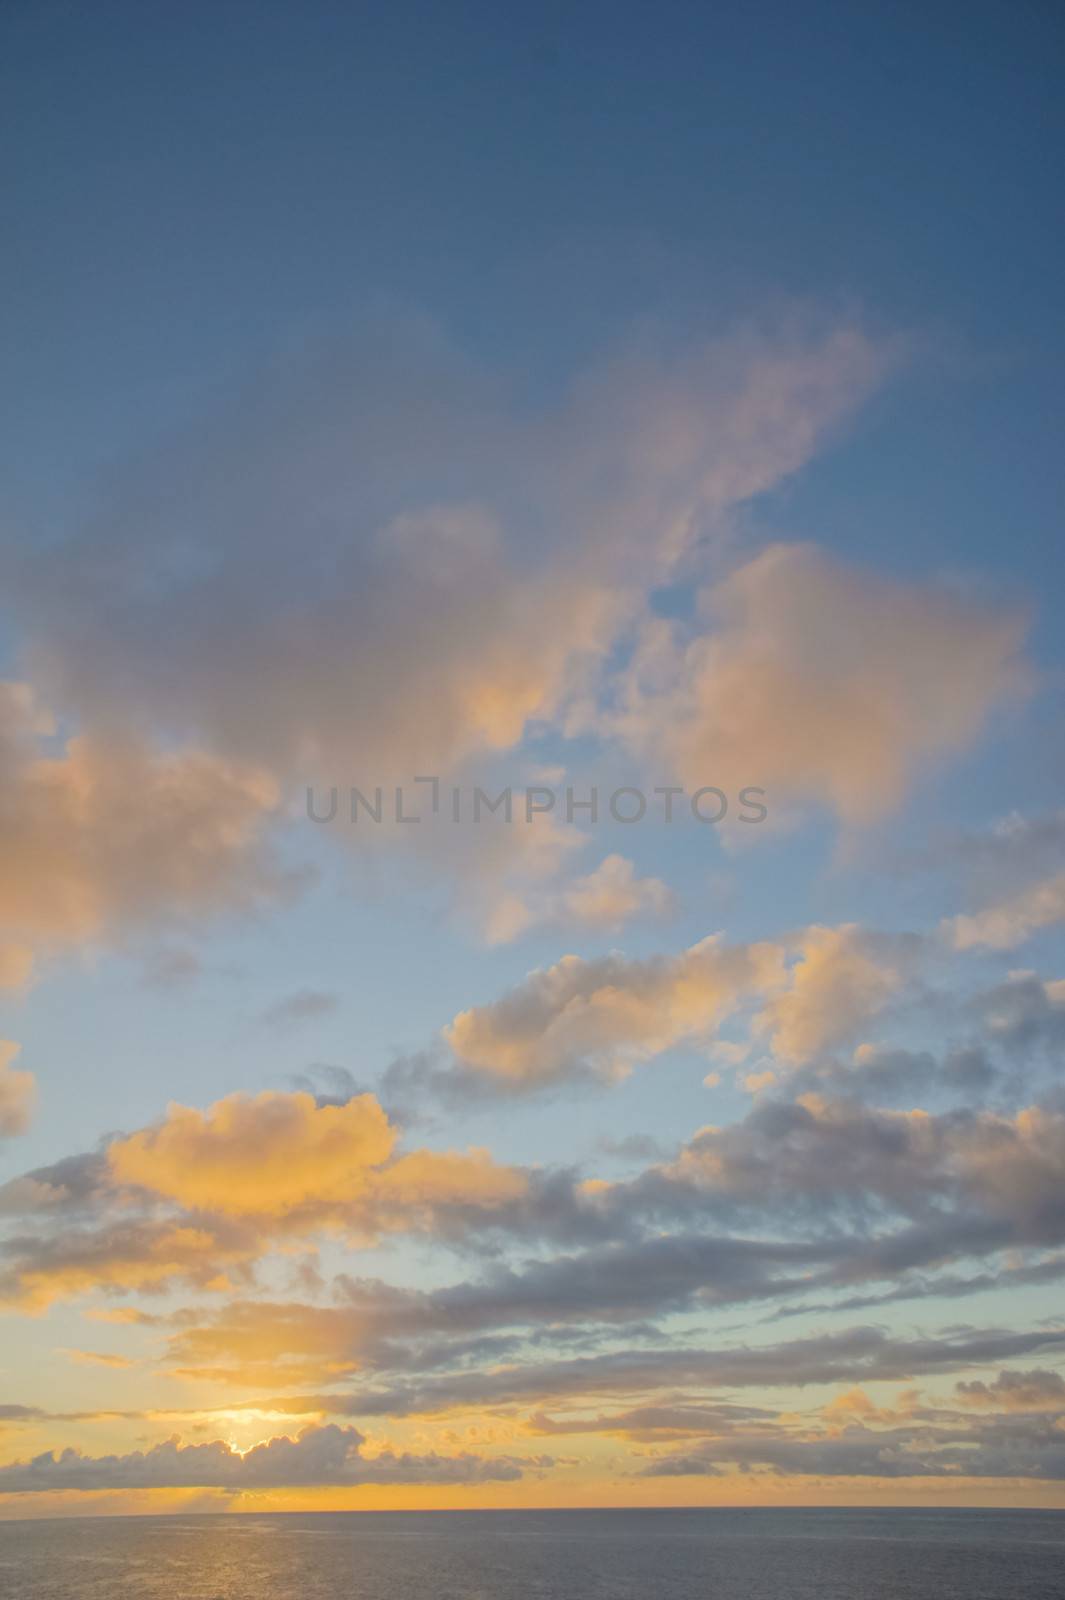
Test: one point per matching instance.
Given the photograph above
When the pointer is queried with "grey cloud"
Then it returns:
(885, 1072)
(318, 1456)
(647, 1423)
(1023, 1014)
(1013, 877)
(330, 1085)
(303, 1005)
(1035, 1390)
(851, 1355)
(1036, 1451)
(798, 1196)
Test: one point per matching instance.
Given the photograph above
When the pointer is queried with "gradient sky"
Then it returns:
(612, 397)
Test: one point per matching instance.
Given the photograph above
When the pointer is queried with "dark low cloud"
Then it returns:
(317, 1456)
(1034, 1450)
(1016, 1433)
(1037, 1390)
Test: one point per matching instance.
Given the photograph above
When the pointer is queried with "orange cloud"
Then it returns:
(264, 1155)
(132, 1256)
(16, 966)
(283, 1157)
(820, 683)
(842, 979)
(611, 1014)
(97, 1358)
(109, 831)
(17, 1092)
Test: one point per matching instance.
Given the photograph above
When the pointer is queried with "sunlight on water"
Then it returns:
(610, 1555)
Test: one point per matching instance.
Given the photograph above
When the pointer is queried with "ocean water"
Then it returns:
(543, 1555)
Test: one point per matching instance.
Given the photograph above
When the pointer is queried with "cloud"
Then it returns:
(204, 1194)
(17, 1093)
(1035, 1451)
(286, 1156)
(301, 1006)
(651, 1423)
(317, 1456)
(606, 898)
(1023, 1013)
(1035, 1390)
(1011, 921)
(820, 683)
(171, 967)
(107, 832)
(848, 1355)
(337, 571)
(815, 1193)
(601, 1018)
(266, 1154)
(608, 1015)
(1012, 878)
(843, 977)
(376, 561)
(991, 1167)
(876, 1072)
(795, 1198)
(116, 1255)
(16, 966)
(97, 1358)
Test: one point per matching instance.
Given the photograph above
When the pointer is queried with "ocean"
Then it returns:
(747, 1554)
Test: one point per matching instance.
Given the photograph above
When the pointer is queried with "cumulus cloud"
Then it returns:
(818, 989)
(263, 1154)
(606, 1016)
(17, 1092)
(317, 1456)
(838, 1193)
(913, 1438)
(820, 683)
(106, 832)
(842, 978)
(993, 1166)
(1024, 1013)
(204, 1195)
(1035, 1390)
(814, 1195)
(287, 1156)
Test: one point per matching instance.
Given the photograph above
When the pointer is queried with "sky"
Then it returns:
(532, 849)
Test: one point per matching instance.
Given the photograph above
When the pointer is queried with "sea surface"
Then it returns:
(543, 1555)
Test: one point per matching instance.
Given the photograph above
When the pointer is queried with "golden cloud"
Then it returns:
(283, 1157)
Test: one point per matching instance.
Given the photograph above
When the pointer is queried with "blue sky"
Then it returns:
(613, 395)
